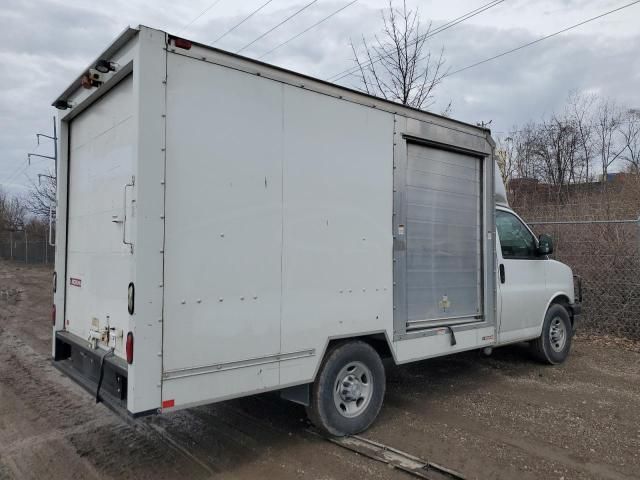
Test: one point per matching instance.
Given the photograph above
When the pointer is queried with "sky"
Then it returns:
(46, 44)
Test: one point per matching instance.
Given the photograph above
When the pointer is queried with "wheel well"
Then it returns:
(563, 300)
(377, 340)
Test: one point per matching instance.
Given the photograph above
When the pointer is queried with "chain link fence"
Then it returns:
(605, 253)
(21, 248)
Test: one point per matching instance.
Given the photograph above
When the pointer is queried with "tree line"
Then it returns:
(587, 140)
(29, 212)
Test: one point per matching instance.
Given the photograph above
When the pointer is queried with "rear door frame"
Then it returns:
(141, 52)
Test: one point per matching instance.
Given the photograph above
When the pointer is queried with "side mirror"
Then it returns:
(545, 245)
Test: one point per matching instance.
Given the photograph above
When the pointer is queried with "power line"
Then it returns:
(446, 26)
(241, 21)
(429, 34)
(16, 173)
(278, 25)
(21, 169)
(53, 137)
(540, 39)
(198, 16)
(306, 30)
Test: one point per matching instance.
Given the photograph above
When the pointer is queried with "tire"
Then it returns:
(554, 343)
(347, 394)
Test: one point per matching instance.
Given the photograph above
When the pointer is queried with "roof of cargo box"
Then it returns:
(261, 68)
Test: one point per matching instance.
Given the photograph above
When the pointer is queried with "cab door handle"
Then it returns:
(501, 273)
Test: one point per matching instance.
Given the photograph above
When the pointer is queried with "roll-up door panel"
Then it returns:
(443, 243)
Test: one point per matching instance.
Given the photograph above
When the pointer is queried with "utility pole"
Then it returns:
(53, 177)
(55, 147)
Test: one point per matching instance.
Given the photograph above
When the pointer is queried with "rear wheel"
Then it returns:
(554, 344)
(349, 389)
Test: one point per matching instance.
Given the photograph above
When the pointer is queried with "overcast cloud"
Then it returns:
(45, 44)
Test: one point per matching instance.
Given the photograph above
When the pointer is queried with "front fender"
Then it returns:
(559, 281)
(559, 286)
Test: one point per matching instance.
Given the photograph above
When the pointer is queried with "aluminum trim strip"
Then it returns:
(445, 319)
(221, 367)
(437, 330)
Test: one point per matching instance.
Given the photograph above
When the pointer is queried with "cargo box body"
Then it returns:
(232, 219)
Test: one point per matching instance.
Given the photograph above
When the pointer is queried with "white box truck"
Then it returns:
(226, 227)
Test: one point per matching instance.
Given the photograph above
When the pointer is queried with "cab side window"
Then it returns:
(516, 240)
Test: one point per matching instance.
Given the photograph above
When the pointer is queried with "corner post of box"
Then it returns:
(149, 80)
(489, 230)
(62, 180)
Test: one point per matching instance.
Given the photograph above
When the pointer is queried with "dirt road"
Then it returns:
(500, 417)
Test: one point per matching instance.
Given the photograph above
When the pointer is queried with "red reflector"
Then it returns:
(168, 403)
(181, 43)
(53, 314)
(129, 348)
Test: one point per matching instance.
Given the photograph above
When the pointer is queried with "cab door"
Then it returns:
(521, 279)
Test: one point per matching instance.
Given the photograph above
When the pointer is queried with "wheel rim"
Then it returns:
(557, 334)
(353, 389)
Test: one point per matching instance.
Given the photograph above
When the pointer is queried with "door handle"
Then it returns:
(501, 273)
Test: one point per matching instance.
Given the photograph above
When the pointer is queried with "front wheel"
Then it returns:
(554, 344)
(347, 394)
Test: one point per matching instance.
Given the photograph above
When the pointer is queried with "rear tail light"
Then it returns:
(53, 314)
(129, 348)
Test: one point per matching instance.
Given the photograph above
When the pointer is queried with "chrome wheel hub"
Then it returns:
(353, 389)
(557, 334)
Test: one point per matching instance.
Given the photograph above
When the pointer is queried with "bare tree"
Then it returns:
(556, 148)
(630, 132)
(525, 149)
(608, 119)
(397, 66)
(41, 198)
(13, 213)
(579, 108)
(506, 158)
(4, 221)
(12, 216)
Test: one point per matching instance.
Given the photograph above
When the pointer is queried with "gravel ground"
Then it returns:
(500, 417)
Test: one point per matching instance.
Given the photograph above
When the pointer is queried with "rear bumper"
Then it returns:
(82, 364)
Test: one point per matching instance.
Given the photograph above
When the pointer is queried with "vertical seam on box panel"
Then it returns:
(164, 212)
(393, 223)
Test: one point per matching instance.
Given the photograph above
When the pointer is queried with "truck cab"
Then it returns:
(537, 300)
